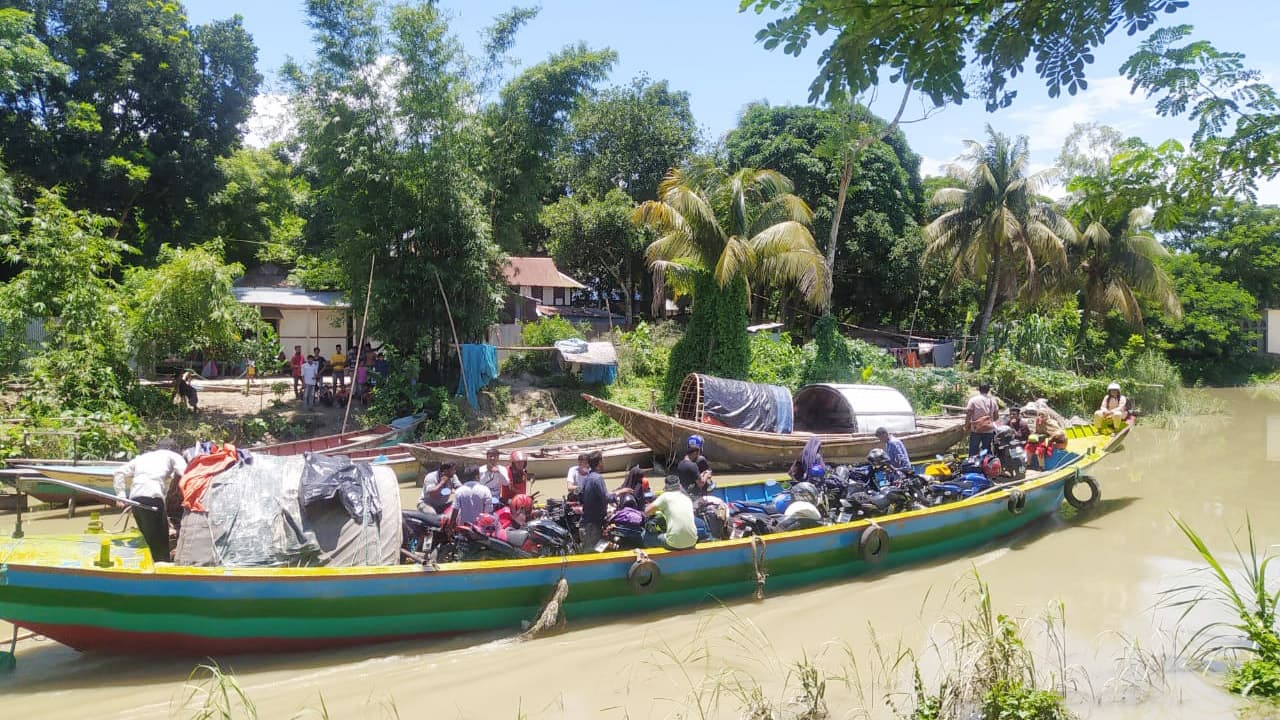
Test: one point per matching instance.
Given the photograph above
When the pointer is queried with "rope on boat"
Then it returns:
(757, 559)
(550, 616)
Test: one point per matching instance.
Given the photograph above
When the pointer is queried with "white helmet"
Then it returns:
(1113, 386)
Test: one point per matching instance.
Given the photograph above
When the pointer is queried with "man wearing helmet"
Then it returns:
(1114, 410)
(897, 452)
(518, 477)
(694, 470)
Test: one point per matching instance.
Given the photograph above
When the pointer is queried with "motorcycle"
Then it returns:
(1011, 452)
(543, 538)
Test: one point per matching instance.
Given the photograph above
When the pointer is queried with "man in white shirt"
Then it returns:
(437, 486)
(576, 473)
(310, 370)
(147, 477)
(493, 475)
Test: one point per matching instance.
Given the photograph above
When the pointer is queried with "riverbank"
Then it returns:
(1106, 568)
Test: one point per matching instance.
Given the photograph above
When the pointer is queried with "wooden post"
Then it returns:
(462, 368)
(368, 293)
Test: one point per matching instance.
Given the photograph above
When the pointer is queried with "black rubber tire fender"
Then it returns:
(643, 575)
(873, 544)
(1017, 501)
(1069, 492)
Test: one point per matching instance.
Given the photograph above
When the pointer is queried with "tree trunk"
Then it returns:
(988, 307)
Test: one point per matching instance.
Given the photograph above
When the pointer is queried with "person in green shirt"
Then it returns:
(677, 508)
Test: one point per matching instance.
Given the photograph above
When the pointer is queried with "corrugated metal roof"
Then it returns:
(289, 297)
(537, 272)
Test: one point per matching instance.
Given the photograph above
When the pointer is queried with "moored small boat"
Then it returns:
(379, 436)
(431, 451)
(51, 587)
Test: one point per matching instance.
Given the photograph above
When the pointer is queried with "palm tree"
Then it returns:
(722, 233)
(996, 227)
(1114, 258)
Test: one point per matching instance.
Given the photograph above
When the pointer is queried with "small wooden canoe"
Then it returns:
(544, 461)
(732, 449)
(380, 436)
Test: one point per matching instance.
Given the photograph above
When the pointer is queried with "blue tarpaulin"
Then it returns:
(479, 367)
(599, 374)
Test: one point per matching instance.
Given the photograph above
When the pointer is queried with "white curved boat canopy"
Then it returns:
(834, 408)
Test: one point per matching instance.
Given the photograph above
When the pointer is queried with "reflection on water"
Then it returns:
(1107, 568)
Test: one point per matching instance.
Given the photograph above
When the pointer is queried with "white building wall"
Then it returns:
(1273, 332)
(312, 327)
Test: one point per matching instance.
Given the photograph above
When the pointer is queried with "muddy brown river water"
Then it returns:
(1106, 568)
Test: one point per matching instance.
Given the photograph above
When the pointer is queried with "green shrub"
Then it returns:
(546, 331)
(447, 419)
(927, 388)
(1255, 678)
(643, 354)
(1046, 341)
(1152, 383)
(1066, 392)
(776, 362)
(1012, 700)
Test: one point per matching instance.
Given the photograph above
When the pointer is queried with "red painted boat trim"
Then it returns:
(88, 638)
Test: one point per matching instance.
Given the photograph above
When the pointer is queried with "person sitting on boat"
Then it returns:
(573, 480)
(811, 455)
(148, 477)
(493, 475)
(1046, 436)
(518, 477)
(595, 502)
(634, 486)
(517, 513)
(473, 499)
(896, 451)
(677, 509)
(694, 469)
(1113, 412)
(437, 489)
(1021, 430)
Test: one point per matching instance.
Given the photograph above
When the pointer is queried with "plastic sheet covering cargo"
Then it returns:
(735, 404)
(327, 478)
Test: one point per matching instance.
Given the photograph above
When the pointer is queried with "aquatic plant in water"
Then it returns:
(1247, 595)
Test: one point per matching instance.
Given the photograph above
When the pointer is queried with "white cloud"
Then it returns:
(1107, 100)
(1269, 192)
(272, 120)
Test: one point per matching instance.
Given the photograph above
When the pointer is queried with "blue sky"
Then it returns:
(708, 49)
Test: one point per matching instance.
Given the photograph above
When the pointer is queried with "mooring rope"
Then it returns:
(550, 615)
(758, 559)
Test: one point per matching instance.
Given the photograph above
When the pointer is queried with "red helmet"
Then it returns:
(488, 525)
(517, 456)
(521, 503)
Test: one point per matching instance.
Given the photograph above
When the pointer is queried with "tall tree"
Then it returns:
(391, 147)
(258, 212)
(1116, 259)
(523, 130)
(596, 241)
(627, 137)
(134, 129)
(726, 231)
(1242, 240)
(931, 46)
(877, 275)
(996, 227)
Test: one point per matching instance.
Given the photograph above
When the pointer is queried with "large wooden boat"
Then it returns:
(732, 448)
(433, 451)
(50, 586)
(544, 461)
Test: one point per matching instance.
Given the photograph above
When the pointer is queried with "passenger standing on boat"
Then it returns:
(677, 509)
(148, 477)
(595, 502)
(694, 470)
(980, 416)
(437, 487)
(898, 458)
(493, 475)
(573, 480)
(1113, 412)
(473, 499)
(518, 476)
